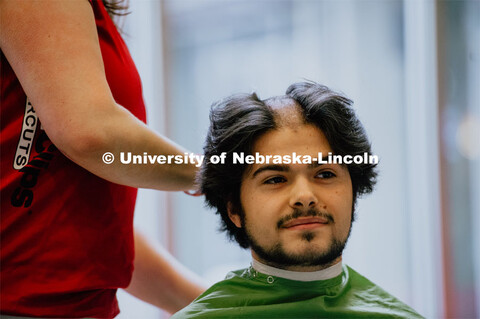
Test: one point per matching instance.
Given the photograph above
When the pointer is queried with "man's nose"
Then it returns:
(303, 194)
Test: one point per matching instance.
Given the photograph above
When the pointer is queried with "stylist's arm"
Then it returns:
(53, 48)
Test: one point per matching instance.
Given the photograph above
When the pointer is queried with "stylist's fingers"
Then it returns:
(194, 193)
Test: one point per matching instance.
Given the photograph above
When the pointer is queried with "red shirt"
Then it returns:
(66, 234)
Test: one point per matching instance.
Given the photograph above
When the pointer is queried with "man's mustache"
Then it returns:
(312, 212)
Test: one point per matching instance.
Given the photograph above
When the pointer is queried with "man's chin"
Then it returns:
(319, 234)
(307, 256)
(301, 254)
(307, 242)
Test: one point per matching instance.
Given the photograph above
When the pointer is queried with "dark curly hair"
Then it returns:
(239, 120)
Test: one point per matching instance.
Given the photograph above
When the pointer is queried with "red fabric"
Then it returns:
(66, 234)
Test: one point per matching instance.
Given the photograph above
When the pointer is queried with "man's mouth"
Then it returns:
(305, 223)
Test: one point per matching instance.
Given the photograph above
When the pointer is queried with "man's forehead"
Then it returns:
(290, 140)
(287, 111)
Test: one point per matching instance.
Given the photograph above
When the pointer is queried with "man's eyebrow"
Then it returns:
(316, 164)
(274, 167)
(285, 168)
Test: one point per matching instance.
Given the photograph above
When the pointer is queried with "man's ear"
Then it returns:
(234, 217)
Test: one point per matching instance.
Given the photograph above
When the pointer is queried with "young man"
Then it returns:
(295, 214)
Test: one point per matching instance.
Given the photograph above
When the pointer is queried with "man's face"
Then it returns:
(296, 216)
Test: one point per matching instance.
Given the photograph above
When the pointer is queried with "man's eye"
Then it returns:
(275, 180)
(326, 174)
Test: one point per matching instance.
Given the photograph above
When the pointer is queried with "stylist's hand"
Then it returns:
(194, 193)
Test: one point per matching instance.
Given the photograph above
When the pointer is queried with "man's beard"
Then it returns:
(278, 257)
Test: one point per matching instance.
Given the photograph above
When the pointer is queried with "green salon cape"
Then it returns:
(249, 294)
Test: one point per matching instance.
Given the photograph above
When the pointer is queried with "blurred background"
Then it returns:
(413, 70)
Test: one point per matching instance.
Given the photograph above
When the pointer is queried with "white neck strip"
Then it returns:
(324, 274)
